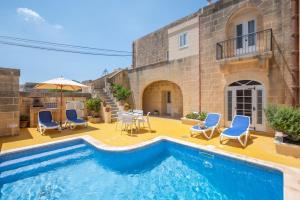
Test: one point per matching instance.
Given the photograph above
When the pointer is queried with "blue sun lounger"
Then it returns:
(239, 128)
(210, 124)
(72, 119)
(45, 121)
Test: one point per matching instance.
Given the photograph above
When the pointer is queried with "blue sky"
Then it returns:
(111, 24)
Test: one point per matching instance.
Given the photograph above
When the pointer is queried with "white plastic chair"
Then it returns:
(141, 112)
(128, 121)
(119, 118)
(143, 119)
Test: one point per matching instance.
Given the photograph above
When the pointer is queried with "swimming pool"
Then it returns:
(162, 170)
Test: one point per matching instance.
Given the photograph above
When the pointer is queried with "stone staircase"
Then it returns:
(109, 101)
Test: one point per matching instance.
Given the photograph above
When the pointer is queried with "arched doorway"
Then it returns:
(246, 97)
(164, 97)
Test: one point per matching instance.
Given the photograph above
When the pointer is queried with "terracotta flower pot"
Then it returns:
(107, 109)
(23, 124)
(94, 120)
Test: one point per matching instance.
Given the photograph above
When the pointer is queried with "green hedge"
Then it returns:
(121, 93)
(285, 119)
(198, 116)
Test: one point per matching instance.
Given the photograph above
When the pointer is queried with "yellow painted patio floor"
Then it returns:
(260, 145)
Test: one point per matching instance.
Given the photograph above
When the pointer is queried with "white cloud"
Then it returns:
(30, 15)
(57, 26)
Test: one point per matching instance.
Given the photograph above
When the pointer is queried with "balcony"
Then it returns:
(245, 46)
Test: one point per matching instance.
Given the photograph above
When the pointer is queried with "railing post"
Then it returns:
(271, 40)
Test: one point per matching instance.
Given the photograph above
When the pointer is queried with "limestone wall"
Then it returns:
(272, 72)
(191, 29)
(9, 101)
(182, 72)
(151, 49)
(154, 47)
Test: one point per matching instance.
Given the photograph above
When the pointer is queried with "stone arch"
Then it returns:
(243, 13)
(261, 77)
(155, 97)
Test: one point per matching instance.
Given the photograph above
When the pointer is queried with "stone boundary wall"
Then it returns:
(9, 101)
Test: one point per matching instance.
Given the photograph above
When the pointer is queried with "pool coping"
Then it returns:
(291, 175)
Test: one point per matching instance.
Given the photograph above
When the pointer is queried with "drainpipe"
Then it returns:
(133, 55)
(199, 17)
(295, 51)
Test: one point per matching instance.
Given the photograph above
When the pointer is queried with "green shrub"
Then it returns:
(192, 115)
(122, 94)
(24, 118)
(115, 88)
(195, 115)
(202, 116)
(93, 105)
(285, 119)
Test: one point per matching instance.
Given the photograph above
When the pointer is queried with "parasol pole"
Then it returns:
(61, 104)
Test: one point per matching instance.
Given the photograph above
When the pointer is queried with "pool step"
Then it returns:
(38, 157)
(38, 167)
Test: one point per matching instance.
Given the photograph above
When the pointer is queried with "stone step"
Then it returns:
(44, 165)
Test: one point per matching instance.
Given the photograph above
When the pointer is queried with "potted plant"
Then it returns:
(126, 107)
(194, 118)
(202, 116)
(285, 119)
(107, 114)
(156, 112)
(24, 120)
(107, 109)
(93, 105)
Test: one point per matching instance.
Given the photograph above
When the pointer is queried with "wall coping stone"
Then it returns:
(54, 94)
(9, 71)
(159, 64)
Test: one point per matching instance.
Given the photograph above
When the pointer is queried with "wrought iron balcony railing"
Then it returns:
(254, 43)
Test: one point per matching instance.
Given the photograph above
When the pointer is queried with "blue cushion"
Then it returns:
(77, 121)
(45, 117)
(241, 122)
(212, 119)
(71, 114)
(197, 127)
(72, 117)
(239, 125)
(49, 124)
(234, 131)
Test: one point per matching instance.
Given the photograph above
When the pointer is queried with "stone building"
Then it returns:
(231, 57)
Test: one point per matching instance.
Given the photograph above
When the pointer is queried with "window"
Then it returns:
(251, 32)
(183, 40)
(239, 35)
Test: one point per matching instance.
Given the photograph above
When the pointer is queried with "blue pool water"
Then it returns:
(163, 170)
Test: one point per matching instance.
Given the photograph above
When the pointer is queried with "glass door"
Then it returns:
(244, 102)
(246, 97)
(245, 37)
